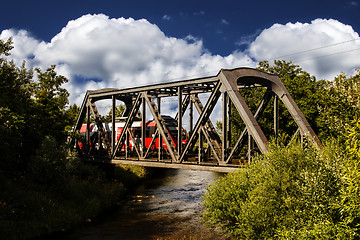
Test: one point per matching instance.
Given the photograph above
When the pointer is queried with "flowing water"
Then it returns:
(166, 207)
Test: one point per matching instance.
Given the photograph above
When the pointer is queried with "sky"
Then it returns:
(120, 44)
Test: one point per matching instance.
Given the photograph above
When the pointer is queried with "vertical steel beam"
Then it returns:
(191, 116)
(160, 137)
(113, 131)
(228, 144)
(250, 148)
(276, 117)
(143, 127)
(180, 113)
(127, 145)
(87, 136)
(224, 127)
(200, 146)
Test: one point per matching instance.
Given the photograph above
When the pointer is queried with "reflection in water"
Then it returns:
(167, 207)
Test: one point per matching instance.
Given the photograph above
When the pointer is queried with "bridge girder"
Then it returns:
(219, 154)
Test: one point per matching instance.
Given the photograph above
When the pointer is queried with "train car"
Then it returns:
(150, 129)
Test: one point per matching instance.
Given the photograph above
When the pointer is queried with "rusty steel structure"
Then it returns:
(204, 148)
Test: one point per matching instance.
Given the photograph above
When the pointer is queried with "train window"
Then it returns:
(137, 132)
(151, 131)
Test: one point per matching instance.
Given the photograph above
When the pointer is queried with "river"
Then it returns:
(164, 207)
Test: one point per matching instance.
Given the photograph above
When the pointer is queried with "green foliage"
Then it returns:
(130, 175)
(291, 193)
(47, 166)
(30, 110)
(351, 194)
(303, 88)
(118, 113)
(44, 186)
(342, 104)
(59, 192)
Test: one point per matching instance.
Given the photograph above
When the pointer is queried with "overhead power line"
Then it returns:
(287, 55)
(315, 49)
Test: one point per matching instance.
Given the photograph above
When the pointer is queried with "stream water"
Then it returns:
(165, 207)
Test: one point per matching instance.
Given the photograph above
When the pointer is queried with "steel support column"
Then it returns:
(113, 130)
(191, 116)
(228, 144)
(160, 138)
(276, 117)
(143, 127)
(224, 128)
(180, 114)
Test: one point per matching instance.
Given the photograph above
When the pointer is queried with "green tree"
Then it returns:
(51, 100)
(304, 89)
(118, 113)
(30, 110)
(342, 104)
(16, 107)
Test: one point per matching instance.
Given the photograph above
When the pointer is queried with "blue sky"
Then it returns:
(98, 44)
(220, 24)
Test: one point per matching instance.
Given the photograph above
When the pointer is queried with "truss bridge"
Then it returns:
(164, 141)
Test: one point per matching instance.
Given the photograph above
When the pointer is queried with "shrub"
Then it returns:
(289, 193)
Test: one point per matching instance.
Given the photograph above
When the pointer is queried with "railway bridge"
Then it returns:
(168, 145)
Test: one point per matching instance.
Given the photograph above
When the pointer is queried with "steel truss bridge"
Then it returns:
(204, 148)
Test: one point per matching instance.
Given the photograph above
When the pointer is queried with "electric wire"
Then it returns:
(275, 58)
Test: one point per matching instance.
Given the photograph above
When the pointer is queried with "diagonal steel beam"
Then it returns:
(253, 127)
(162, 127)
(203, 118)
(101, 130)
(185, 104)
(209, 125)
(209, 129)
(135, 144)
(128, 123)
(261, 108)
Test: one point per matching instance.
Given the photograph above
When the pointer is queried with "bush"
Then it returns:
(290, 193)
(351, 194)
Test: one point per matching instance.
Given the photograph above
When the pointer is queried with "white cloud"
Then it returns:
(282, 41)
(24, 44)
(96, 52)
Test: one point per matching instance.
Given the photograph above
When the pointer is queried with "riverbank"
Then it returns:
(165, 206)
(30, 209)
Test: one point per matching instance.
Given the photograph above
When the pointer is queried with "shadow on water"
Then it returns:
(164, 207)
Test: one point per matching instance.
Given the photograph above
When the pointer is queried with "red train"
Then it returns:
(150, 129)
